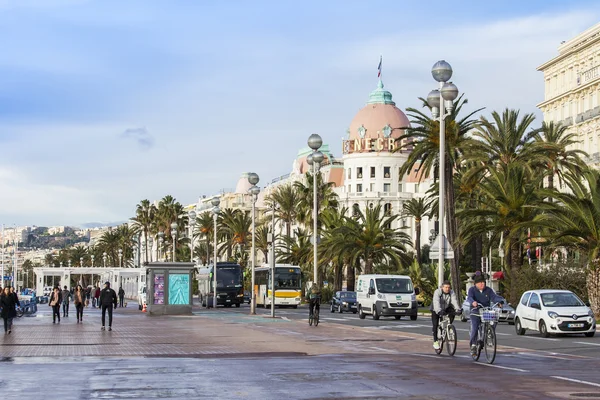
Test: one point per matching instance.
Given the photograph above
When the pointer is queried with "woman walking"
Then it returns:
(8, 304)
(54, 302)
(79, 301)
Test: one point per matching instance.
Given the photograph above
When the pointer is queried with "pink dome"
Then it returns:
(380, 118)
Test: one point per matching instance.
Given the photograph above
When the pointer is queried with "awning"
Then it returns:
(498, 275)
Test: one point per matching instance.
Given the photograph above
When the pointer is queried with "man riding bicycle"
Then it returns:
(480, 295)
(444, 302)
(314, 298)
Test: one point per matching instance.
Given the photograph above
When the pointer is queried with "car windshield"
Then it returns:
(229, 277)
(287, 278)
(348, 295)
(561, 300)
(394, 285)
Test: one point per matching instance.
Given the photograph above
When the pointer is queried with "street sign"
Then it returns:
(434, 252)
(8, 278)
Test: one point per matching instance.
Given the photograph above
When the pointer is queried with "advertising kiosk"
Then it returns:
(169, 288)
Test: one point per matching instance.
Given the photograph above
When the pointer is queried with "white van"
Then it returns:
(386, 295)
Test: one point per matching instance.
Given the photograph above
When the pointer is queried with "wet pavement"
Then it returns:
(224, 354)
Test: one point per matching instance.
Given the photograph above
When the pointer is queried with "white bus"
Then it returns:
(288, 285)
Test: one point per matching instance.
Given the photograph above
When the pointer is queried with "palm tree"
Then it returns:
(145, 215)
(562, 161)
(262, 241)
(326, 198)
(574, 222)
(236, 228)
(205, 230)
(417, 208)
(511, 199)
(423, 137)
(296, 250)
(370, 239)
(333, 220)
(286, 197)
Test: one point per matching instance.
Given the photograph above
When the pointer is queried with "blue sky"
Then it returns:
(105, 103)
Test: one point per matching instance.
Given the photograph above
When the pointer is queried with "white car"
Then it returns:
(554, 311)
(141, 297)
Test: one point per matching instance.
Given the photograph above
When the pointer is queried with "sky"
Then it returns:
(104, 103)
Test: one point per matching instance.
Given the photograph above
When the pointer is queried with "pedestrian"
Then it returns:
(88, 294)
(97, 296)
(108, 300)
(66, 297)
(121, 296)
(8, 304)
(54, 302)
(79, 301)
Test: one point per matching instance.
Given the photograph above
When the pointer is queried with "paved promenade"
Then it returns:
(220, 354)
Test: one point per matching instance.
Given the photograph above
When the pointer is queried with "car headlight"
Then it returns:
(552, 314)
(380, 296)
(240, 295)
(413, 298)
(345, 303)
(590, 313)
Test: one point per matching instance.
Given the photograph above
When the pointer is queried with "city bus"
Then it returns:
(288, 285)
(230, 285)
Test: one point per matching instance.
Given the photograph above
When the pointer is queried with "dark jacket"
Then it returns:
(121, 292)
(8, 305)
(66, 296)
(81, 299)
(485, 297)
(16, 297)
(108, 297)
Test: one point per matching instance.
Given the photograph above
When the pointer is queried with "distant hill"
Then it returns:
(89, 225)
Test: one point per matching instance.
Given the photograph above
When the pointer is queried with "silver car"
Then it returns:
(507, 313)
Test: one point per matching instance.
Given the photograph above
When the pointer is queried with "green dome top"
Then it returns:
(380, 96)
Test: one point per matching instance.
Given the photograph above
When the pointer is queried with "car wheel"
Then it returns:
(590, 334)
(518, 328)
(354, 312)
(543, 329)
(340, 309)
(361, 314)
(397, 317)
(511, 322)
(413, 317)
(375, 313)
(463, 318)
(140, 307)
(331, 308)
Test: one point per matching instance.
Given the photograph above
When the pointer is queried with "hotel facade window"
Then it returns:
(358, 188)
(386, 172)
(372, 172)
(386, 187)
(359, 172)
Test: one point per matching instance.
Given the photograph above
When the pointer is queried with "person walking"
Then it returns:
(66, 297)
(54, 302)
(79, 301)
(8, 304)
(97, 296)
(108, 300)
(121, 296)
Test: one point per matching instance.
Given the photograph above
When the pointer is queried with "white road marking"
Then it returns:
(577, 381)
(589, 343)
(384, 350)
(332, 319)
(541, 338)
(431, 356)
(537, 355)
(503, 367)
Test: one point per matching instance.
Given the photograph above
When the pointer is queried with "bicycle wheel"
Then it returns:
(490, 344)
(451, 339)
(441, 338)
(316, 318)
(477, 353)
(310, 320)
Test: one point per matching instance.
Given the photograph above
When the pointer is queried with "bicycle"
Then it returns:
(315, 316)
(486, 335)
(447, 334)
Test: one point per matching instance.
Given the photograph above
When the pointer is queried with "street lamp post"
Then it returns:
(254, 191)
(92, 257)
(215, 202)
(192, 219)
(442, 102)
(315, 158)
(104, 259)
(273, 261)
(161, 239)
(174, 234)
(120, 258)
(80, 275)
(151, 248)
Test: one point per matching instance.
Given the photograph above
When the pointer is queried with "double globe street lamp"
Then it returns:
(174, 235)
(192, 219)
(215, 202)
(315, 159)
(442, 103)
(254, 191)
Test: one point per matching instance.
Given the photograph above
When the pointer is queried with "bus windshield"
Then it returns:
(229, 277)
(287, 278)
(394, 285)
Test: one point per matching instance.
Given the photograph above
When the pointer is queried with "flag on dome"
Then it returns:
(379, 67)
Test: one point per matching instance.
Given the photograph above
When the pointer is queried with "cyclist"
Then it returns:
(444, 302)
(314, 297)
(480, 295)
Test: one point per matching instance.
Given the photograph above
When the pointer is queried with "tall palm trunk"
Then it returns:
(339, 267)
(351, 277)
(452, 230)
(593, 287)
(368, 265)
(418, 239)
(515, 266)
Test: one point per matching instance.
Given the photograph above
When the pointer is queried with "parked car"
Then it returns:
(47, 290)
(554, 311)
(507, 312)
(344, 301)
(141, 297)
(247, 297)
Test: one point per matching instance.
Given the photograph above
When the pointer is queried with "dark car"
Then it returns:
(344, 301)
(247, 297)
(507, 313)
